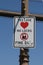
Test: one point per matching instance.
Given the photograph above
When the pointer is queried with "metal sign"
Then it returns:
(24, 32)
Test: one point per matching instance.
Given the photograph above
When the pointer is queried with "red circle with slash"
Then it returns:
(24, 36)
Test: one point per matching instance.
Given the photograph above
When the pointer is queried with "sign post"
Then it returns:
(24, 33)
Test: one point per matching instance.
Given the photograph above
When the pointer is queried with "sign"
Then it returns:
(24, 32)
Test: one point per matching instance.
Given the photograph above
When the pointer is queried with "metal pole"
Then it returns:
(24, 7)
(6, 13)
(24, 57)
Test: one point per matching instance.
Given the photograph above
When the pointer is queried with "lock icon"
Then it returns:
(24, 36)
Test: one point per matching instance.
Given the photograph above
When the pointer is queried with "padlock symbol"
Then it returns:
(24, 36)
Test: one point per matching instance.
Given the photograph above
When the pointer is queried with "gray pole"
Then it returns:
(24, 57)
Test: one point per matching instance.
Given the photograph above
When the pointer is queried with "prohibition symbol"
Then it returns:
(24, 36)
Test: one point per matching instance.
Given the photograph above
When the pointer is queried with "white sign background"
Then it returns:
(29, 29)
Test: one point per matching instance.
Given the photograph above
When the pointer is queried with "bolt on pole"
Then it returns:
(24, 56)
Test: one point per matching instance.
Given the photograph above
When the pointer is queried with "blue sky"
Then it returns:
(8, 54)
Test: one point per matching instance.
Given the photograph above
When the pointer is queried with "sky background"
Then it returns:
(8, 54)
